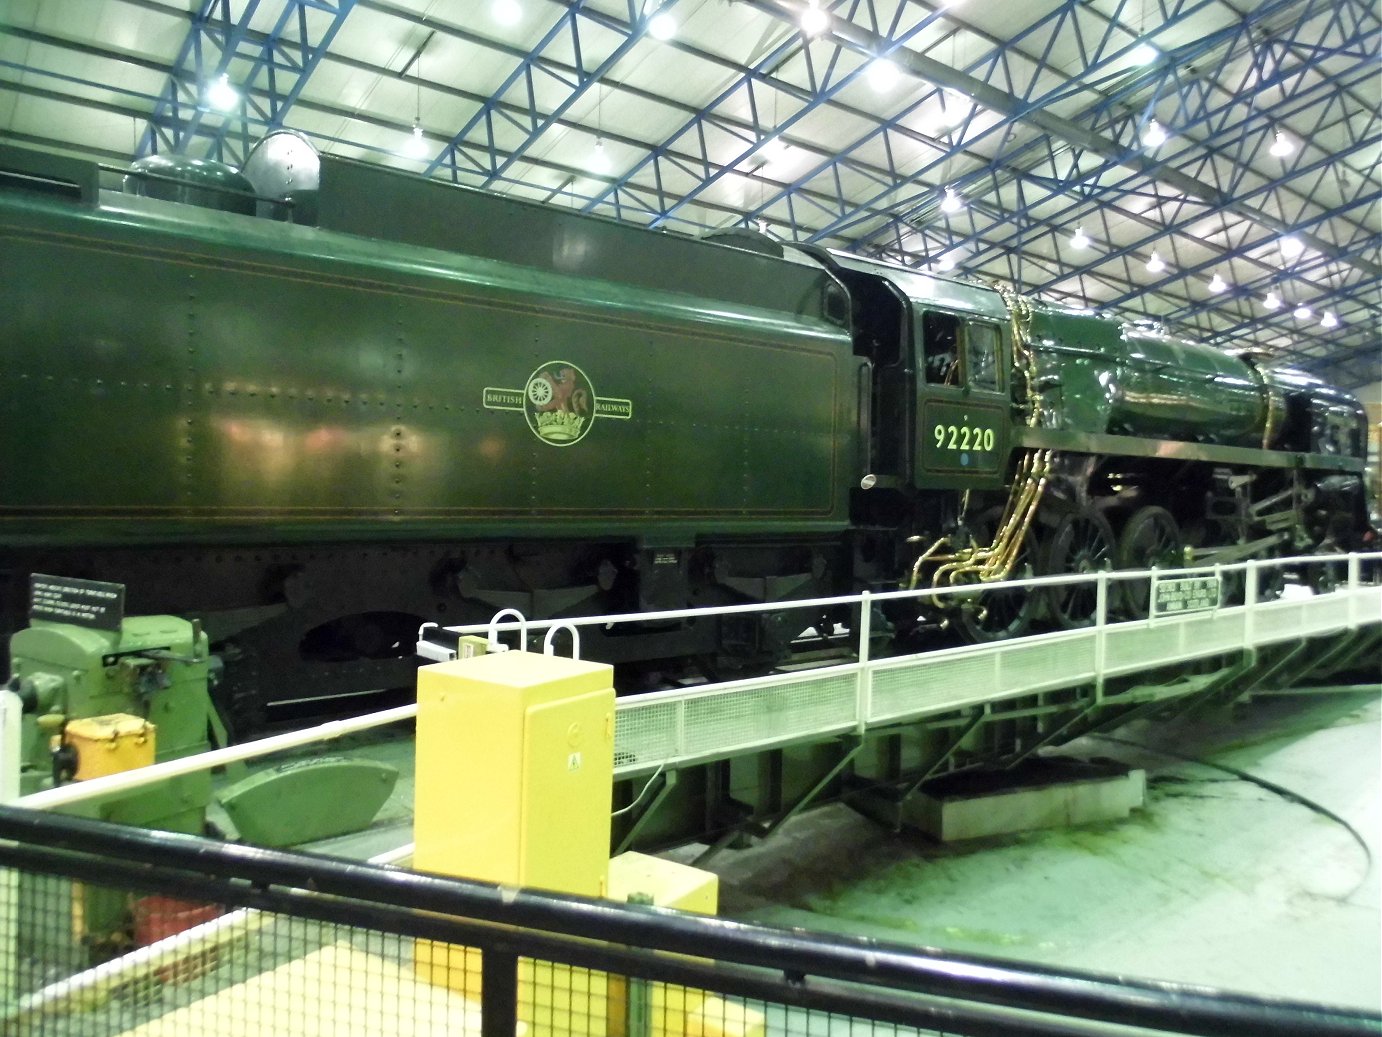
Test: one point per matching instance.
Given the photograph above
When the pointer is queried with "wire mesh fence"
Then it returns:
(108, 931)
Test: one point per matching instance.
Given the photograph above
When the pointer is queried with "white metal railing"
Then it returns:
(682, 726)
(668, 729)
(126, 781)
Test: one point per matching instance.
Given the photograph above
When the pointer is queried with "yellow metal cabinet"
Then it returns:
(515, 765)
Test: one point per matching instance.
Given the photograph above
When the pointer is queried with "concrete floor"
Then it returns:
(1218, 881)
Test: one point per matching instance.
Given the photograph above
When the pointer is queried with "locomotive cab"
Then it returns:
(962, 434)
(941, 408)
(944, 399)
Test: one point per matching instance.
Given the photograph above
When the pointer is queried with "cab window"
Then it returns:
(981, 355)
(960, 352)
(941, 342)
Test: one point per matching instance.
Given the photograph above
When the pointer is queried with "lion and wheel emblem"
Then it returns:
(559, 403)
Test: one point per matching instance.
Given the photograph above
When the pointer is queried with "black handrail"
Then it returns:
(254, 873)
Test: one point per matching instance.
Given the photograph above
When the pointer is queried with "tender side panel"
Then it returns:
(383, 204)
(158, 383)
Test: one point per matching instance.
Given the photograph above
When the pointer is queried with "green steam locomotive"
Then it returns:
(314, 403)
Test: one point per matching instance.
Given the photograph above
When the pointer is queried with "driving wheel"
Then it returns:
(1081, 544)
(1150, 540)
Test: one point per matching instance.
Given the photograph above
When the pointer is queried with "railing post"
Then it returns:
(1100, 632)
(1355, 580)
(638, 1008)
(1250, 603)
(11, 711)
(864, 701)
(498, 993)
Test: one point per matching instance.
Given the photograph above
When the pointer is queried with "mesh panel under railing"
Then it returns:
(272, 975)
(1331, 613)
(105, 961)
(1039, 665)
(646, 733)
(1132, 647)
(771, 712)
(236, 972)
(1223, 631)
(930, 684)
(735, 718)
(1285, 621)
(94, 961)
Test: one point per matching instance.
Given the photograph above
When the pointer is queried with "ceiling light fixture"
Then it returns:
(1272, 301)
(774, 149)
(1143, 54)
(220, 94)
(953, 108)
(416, 146)
(1302, 313)
(946, 263)
(1217, 284)
(1156, 264)
(1154, 136)
(951, 203)
(1291, 246)
(1329, 321)
(1281, 146)
(882, 74)
(1079, 239)
(814, 21)
(506, 12)
(662, 26)
(599, 162)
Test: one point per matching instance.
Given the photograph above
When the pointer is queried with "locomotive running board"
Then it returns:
(1134, 446)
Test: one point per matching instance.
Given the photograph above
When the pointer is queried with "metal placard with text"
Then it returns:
(84, 603)
(1181, 594)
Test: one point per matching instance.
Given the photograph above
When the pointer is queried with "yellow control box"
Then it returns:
(110, 744)
(515, 770)
(515, 767)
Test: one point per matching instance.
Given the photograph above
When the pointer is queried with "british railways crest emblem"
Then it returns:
(559, 403)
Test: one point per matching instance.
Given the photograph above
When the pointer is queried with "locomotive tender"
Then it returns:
(314, 403)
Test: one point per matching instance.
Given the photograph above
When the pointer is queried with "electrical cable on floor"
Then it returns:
(1270, 786)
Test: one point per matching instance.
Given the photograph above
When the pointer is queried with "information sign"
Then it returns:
(84, 603)
(1184, 594)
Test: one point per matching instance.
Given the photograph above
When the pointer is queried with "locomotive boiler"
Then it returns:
(314, 403)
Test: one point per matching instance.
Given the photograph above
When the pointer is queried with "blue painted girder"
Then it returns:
(216, 45)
